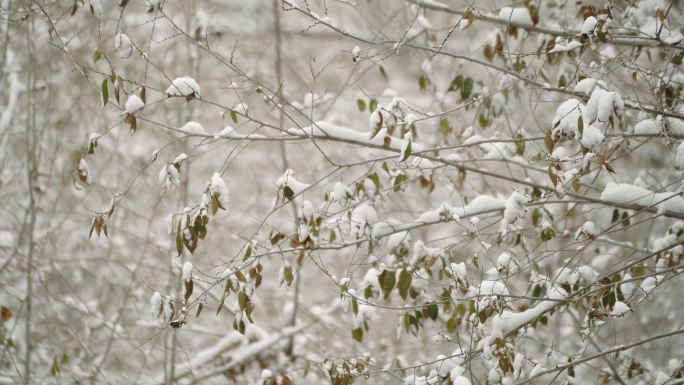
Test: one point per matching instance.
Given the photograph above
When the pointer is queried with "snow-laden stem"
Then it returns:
(253, 350)
(625, 40)
(438, 51)
(619, 348)
(593, 343)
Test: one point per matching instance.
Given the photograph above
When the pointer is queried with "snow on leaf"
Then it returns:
(630, 194)
(289, 181)
(589, 25)
(122, 43)
(226, 132)
(187, 271)
(586, 85)
(567, 115)
(306, 211)
(241, 108)
(193, 128)
(515, 207)
(362, 216)
(133, 104)
(649, 284)
(183, 86)
(511, 320)
(84, 172)
(601, 105)
(679, 157)
(219, 192)
(646, 127)
(376, 122)
(406, 147)
(518, 15)
(591, 136)
(560, 47)
(355, 53)
(168, 178)
(341, 193)
(156, 304)
(619, 309)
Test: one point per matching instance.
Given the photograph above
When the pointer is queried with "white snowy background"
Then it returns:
(337, 191)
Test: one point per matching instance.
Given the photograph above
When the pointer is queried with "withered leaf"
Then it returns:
(548, 140)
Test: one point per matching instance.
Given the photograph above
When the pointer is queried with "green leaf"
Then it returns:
(383, 73)
(444, 126)
(240, 276)
(368, 292)
(179, 240)
(401, 178)
(239, 326)
(385, 168)
(519, 65)
(287, 272)
(422, 83)
(355, 306)
(537, 291)
(519, 143)
(457, 83)
(407, 152)
(562, 82)
(547, 234)
(433, 311)
(608, 299)
(467, 88)
(452, 324)
(105, 92)
(242, 300)
(233, 116)
(625, 219)
(376, 180)
(405, 279)
(536, 216)
(372, 105)
(361, 104)
(616, 216)
(580, 125)
(55, 369)
(117, 91)
(357, 334)
(387, 280)
(483, 120)
(226, 291)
